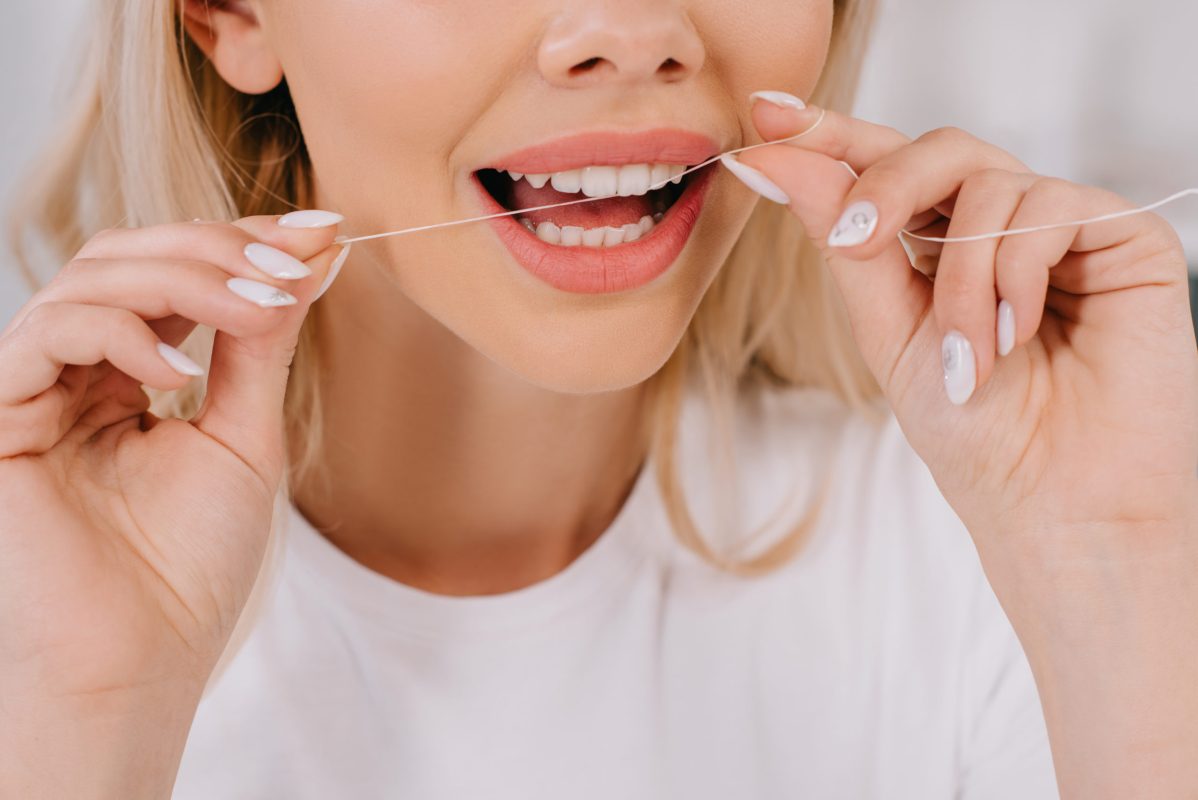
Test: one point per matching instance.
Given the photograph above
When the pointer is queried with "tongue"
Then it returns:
(613, 211)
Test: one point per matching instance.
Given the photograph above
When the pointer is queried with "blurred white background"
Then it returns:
(1097, 91)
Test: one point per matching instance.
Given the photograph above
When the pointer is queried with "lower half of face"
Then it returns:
(467, 110)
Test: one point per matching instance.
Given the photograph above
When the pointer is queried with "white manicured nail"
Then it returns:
(275, 262)
(262, 294)
(310, 218)
(334, 269)
(755, 180)
(855, 226)
(1006, 327)
(960, 372)
(178, 360)
(780, 99)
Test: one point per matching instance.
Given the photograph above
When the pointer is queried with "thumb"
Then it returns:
(247, 378)
(887, 300)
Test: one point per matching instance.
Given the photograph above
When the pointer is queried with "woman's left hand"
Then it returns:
(1073, 458)
(1091, 420)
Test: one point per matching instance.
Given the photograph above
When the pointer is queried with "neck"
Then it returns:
(442, 469)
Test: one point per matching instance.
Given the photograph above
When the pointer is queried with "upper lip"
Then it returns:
(596, 148)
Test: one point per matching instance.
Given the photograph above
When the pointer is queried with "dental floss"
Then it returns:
(943, 239)
(1129, 212)
(659, 185)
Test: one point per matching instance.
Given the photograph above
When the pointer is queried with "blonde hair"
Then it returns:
(155, 136)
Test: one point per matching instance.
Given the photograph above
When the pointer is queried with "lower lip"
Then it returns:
(604, 270)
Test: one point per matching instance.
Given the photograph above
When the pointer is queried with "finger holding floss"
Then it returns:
(854, 235)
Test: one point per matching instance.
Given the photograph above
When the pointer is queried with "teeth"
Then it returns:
(634, 180)
(568, 182)
(600, 181)
(593, 237)
(660, 174)
(629, 180)
(571, 236)
(548, 232)
(607, 236)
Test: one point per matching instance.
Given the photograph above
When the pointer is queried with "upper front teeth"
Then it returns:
(630, 179)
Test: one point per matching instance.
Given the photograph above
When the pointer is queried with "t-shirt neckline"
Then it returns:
(609, 559)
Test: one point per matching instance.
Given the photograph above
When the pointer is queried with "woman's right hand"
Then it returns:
(128, 543)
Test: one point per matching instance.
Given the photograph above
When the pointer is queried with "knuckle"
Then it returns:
(1163, 231)
(1164, 240)
(121, 322)
(73, 267)
(191, 229)
(881, 180)
(225, 229)
(98, 241)
(946, 135)
(105, 235)
(952, 290)
(1049, 186)
(42, 315)
(989, 181)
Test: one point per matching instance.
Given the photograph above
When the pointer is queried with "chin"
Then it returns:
(589, 361)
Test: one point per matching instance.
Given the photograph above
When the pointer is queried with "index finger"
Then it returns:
(278, 246)
(858, 143)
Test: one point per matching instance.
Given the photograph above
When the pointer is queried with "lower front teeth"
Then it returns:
(607, 236)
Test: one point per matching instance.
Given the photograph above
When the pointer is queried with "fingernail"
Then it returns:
(755, 180)
(1006, 328)
(960, 374)
(334, 269)
(263, 294)
(780, 99)
(178, 360)
(310, 218)
(855, 225)
(275, 262)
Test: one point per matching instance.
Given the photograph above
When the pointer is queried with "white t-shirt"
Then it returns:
(876, 664)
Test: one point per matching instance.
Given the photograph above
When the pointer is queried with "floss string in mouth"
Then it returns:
(658, 185)
(823, 113)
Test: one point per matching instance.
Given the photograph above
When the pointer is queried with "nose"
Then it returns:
(626, 42)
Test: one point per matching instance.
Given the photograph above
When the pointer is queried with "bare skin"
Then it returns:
(468, 480)
(510, 435)
(507, 414)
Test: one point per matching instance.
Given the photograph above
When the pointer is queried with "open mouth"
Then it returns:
(629, 209)
(629, 235)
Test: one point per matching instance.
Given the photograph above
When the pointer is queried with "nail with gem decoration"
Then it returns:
(855, 225)
(261, 294)
(960, 372)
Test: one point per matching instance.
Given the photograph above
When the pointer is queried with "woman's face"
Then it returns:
(410, 107)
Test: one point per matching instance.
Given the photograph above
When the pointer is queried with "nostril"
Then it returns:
(671, 68)
(585, 66)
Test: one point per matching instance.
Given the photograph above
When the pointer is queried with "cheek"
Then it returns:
(384, 91)
(771, 44)
(384, 98)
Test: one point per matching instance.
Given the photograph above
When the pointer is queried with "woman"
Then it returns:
(511, 565)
